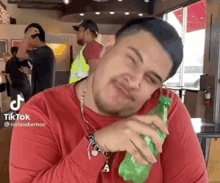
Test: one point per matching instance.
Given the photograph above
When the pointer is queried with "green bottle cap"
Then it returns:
(165, 100)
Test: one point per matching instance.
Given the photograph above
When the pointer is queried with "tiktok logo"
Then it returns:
(18, 102)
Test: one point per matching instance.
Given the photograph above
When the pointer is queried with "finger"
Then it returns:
(145, 151)
(144, 129)
(131, 149)
(153, 120)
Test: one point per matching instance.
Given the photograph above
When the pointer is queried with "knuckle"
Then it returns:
(157, 119)
(130, 122)
(127, 131)
(134, 152)
(138, 159)
(144, 146)
(132, 119)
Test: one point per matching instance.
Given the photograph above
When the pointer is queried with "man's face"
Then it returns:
(129, 73)
(81, 36)
(33, 42)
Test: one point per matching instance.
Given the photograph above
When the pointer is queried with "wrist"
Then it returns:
(97, 139)
(97, 146)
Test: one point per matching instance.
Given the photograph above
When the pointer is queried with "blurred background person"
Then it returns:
(5, 84)
(17, 78)
(41, 56)
(88, 57)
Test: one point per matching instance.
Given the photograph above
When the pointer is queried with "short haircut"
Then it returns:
(93, 33)
(41, 35)
(14, 50)
(162, 31)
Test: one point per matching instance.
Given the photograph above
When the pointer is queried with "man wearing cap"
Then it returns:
(87, 59)
(41, 56)
(101, 117)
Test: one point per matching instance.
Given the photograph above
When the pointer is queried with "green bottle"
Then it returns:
(129, 169)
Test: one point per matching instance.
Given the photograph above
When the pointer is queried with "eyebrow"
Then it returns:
(136, 52)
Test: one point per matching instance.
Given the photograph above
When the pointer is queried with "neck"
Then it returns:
(88, 98)
(89, 39)
(42, 44)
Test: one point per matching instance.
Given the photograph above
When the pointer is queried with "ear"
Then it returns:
(87, 31)
(108, 45)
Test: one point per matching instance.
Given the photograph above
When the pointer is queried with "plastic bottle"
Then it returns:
(129, 169)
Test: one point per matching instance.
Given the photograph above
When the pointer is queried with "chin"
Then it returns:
(111, 108)
(80, 42)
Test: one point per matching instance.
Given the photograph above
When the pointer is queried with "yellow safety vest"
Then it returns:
(79, 68)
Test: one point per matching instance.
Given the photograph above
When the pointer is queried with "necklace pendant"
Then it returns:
(106, 168)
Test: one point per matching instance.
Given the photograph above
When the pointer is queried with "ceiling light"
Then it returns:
(100, 0)
(97, 13)
(81, 14)
(127, 13)
(66, 1)
(112, 12)
(140, 14)
(120, 0)
(146, 1)
(4, 16)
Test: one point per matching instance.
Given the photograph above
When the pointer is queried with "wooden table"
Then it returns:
(205, 129)
(181, 89)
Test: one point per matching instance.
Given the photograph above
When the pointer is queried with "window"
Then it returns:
(190, 23)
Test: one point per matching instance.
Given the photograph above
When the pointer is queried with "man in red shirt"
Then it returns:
(112, 105)
(87, 32)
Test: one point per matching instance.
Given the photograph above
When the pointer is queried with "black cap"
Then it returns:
(90, 24)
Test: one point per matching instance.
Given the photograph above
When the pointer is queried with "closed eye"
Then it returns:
(152, 79)
(132, 59)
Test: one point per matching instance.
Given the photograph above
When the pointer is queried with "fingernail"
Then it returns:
(167, 132)
(145, 162)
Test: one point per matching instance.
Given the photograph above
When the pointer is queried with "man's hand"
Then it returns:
(125, 136)
(26, 38)
(2, 73)
(22, 50)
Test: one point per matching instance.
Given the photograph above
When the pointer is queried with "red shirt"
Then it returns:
(92, 50)
(57, 153)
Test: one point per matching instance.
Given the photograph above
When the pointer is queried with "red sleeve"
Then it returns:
(182, 158)
(35, 155)
(92, 50)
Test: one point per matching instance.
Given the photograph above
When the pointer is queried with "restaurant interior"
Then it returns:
(196, 21)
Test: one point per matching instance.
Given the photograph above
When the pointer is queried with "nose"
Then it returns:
(134, 82)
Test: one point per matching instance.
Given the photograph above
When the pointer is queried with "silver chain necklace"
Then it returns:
(106, 166)
(82, 109)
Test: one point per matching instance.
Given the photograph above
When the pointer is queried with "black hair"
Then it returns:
(14, 50)
(94, 35)
(162, 31)
(41, 35)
